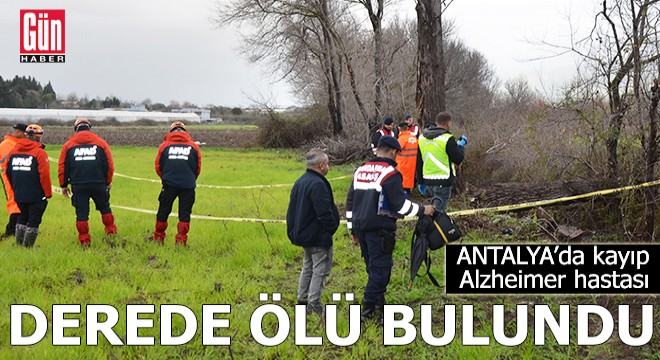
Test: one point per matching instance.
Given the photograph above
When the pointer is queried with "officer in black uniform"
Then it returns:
(375, 201)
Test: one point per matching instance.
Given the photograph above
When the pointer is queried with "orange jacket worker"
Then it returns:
(406, 159)
(6, 145)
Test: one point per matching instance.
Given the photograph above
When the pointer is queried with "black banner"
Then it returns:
(552, 269)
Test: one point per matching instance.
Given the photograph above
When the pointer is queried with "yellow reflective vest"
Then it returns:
(436, 164)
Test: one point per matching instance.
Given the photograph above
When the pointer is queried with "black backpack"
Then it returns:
(439, 228)
(431, 232)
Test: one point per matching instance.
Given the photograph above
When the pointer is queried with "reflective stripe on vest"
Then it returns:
(435, 158)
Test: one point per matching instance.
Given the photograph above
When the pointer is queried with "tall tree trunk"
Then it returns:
(651, 159)
(430, 96)
(379, 71)
(335, 101)
(614, 130)
(356, 94)
(376, 19)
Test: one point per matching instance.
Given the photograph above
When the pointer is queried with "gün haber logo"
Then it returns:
(42, 36)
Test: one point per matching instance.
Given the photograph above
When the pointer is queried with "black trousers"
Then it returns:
(377, 250)
(31, 213)
(99, 193)
(166, 198)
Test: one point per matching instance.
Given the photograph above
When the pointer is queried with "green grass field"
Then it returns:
(226, 262)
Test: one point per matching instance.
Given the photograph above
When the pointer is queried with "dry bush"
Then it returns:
(111, 121)
(145, 122)
(292, 132)
(535, 143)
(341, 151)
(53, 122)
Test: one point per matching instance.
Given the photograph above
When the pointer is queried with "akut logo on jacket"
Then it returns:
(179, 152)
(21, 163)
(85, 153)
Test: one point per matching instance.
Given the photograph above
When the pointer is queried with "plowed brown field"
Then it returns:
(153, 136)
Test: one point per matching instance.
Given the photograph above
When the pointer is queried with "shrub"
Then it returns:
(110, 121)
(145, 122)
(341, 151)
(294, 131)
(53, 122)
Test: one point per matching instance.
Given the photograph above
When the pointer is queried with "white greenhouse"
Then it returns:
(64, 115)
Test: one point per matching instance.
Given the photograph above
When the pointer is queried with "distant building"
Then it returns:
(204, 114)
(64, 115)
(137, 108)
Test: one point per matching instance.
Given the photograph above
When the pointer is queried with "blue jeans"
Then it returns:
(443, 193)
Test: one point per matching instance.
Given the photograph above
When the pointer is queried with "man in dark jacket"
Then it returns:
(28, 172)
(439, 153)
(386, 130)
(375, 201)
(311, 220)
(86, 163)
(178, 164)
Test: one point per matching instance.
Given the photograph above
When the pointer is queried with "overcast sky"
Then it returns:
(167, 49)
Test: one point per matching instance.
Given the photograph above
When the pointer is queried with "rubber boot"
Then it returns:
(20, 234)
(31, 234)
(380, 312)
(182, 235)
(159, 233)
(109, 222)
(83, 233)
(10, 230)
(368, 311)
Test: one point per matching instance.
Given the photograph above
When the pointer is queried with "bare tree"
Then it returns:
(400, 40)
(618, 43)
(622, 51)
(519, 92)
(430, 96)
(469, 81)
(651, 160)
(289, 33)
(375, 10)
(324, 51)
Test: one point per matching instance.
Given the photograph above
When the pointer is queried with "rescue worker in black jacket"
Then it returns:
(375, 201)
(86, 163)
(311, 220)
(178, 164)
(28, 172)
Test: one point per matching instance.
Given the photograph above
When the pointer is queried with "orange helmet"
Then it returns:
(81, 123)
(34, 132)
(178, 125)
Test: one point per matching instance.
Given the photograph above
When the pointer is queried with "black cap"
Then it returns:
(407, 117)
(390, 142)
(21, 127)
(388, 121)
